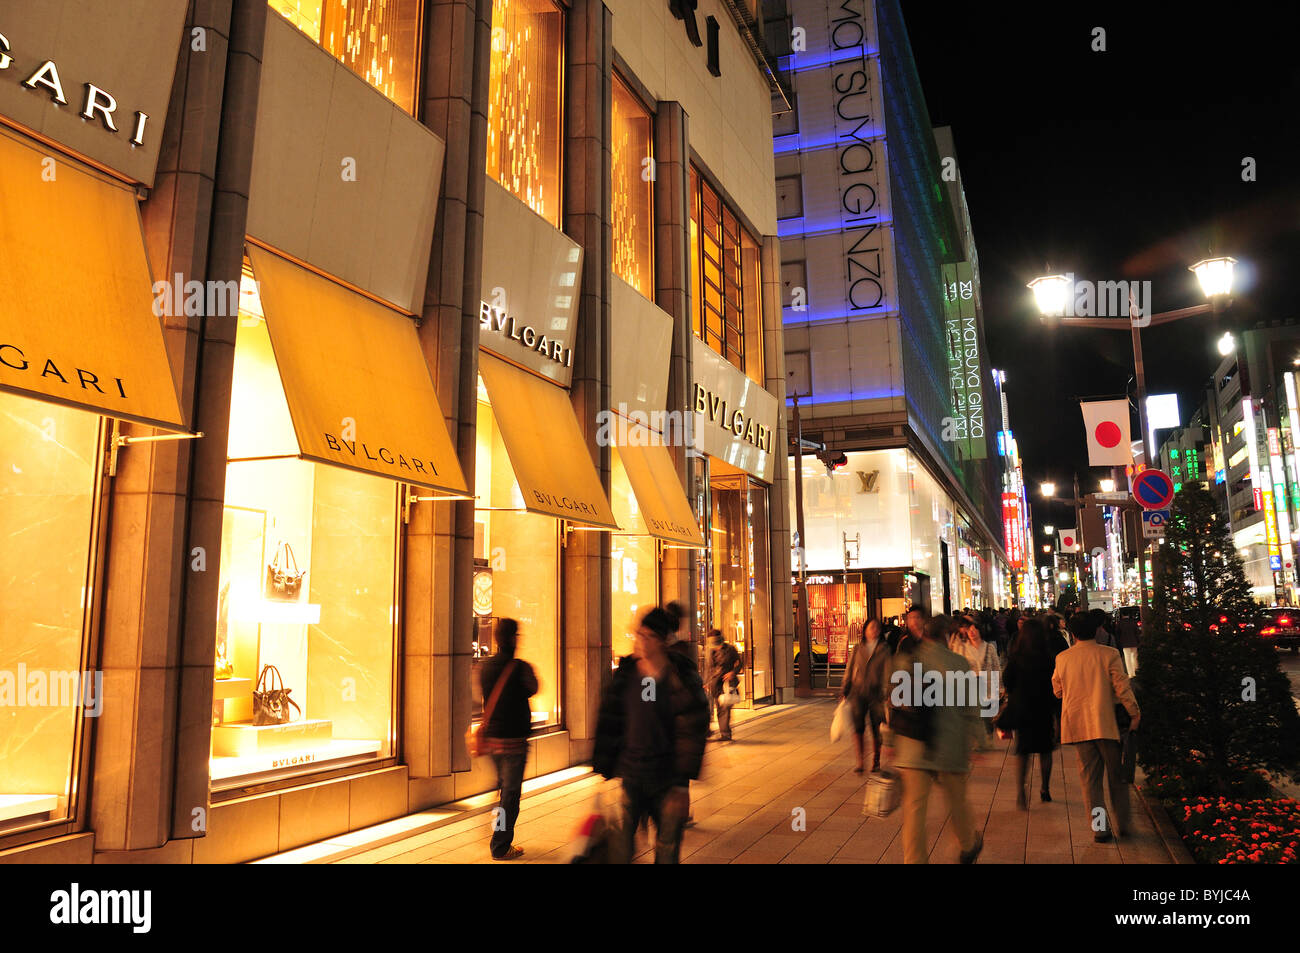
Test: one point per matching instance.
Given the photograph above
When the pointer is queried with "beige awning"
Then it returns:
(355, 378)
(545, 445)
(77, 319)
(659, 495)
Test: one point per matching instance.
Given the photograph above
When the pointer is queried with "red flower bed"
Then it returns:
(1224, 831)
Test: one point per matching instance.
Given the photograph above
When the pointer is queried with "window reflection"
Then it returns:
(632, 201)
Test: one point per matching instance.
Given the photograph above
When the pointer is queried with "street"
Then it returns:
(746, 801)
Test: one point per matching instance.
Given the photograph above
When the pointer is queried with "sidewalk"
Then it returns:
(743, 806)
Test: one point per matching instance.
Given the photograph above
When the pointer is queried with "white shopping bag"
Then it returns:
(842, 721)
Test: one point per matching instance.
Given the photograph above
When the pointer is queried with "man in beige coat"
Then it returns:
(1090, 680)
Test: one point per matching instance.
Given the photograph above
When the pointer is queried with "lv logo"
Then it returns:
(868, 481)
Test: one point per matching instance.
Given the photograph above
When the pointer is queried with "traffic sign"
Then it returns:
(1153, 489)
(1153, 523)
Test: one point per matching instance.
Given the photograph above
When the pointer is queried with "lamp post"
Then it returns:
(1052, 294)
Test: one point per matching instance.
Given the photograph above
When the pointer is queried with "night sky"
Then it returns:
(1124, 164)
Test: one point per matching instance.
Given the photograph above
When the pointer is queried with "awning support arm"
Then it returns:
(120, 441)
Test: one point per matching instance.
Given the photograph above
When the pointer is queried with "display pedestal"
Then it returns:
(15, 806)
(227, 689)
(240, 740)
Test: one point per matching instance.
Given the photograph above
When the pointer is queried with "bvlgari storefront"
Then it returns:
(81, 353)
(735, 428)
(335, 428)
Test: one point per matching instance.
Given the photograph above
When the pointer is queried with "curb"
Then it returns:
(1169, 836)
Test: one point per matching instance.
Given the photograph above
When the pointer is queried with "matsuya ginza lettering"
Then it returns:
(496, 320)
(96, 104)
(746, 428)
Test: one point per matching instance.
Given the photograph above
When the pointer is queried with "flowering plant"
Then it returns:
(1226, 831)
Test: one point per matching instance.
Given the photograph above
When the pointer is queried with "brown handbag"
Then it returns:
(282, 583)
(271, 705)
(474, 736)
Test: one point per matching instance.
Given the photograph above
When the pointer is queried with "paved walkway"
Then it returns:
(744, 801)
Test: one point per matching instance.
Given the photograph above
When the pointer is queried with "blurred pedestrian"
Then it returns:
(864, 687)
(983, 659)
(680, 641)
(722, 668)
(507, 683)
(943, 755)
(909, 637)
(1031, 710)
(650, 733)
(1090, 681)
(1127, 635)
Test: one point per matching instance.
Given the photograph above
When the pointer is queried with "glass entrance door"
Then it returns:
(735, 585)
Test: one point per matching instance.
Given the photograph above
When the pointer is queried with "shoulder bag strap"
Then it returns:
(496, 691)
(290, 558)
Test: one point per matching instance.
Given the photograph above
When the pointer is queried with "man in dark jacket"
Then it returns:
(651, 731)
(505, 733)
(722, 667)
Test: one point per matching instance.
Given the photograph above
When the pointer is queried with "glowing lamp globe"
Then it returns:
(1215, 275)
(1051, 292)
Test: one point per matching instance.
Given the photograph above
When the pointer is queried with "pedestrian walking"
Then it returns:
(864, 687)
(908, 639)
(722, 677)
(507, 683)
(942, 755)
(650, 733)
(680, 640)
(983, 659)
(1032, 707)
(1090, 681)
(1127, 635)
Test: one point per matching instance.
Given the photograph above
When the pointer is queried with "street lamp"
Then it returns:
(1215, 275)
(1047, 489)
(1049, 530)
(1108, 485)
(1051, 292)
(1047, 549)
(1227, 344)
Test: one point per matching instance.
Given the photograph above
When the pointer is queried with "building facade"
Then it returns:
(883, 331)
(378, 323)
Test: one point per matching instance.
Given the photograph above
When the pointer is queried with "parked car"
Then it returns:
(1280, 626)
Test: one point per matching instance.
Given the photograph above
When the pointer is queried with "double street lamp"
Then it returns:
(1052, 294)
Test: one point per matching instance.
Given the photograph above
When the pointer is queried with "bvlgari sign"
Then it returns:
(93, 76)
(735, 417)
(529, 305)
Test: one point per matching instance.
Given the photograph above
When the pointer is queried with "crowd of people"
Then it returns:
(1056, 681)
(1043, 681)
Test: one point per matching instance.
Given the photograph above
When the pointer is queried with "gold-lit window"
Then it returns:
(525, 135)
(379, 40)
(728, 280)
(632, 201)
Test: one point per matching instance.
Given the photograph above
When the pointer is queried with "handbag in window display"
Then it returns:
(284, 584)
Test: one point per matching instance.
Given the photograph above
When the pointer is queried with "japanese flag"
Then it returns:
(1069, 541)
(1106, 422)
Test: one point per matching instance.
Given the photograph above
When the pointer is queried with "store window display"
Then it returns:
(308, 607)
(525, 134)
(634, 563)
(48, 500)
(632, 192)
(516, 570)
(379, 40)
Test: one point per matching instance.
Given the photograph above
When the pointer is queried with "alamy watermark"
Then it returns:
(38, 688)
(625, 427)
(934, 688)
(1107, 299)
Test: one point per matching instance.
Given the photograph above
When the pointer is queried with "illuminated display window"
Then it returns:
(728, 281)
(632, 199)
(634, 565)
(48, 501)
(1237, 457)
(379, 40)
(525, 133)
(519, 552)
(307, 592)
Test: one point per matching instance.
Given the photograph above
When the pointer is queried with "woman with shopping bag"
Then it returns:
(863, 691)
